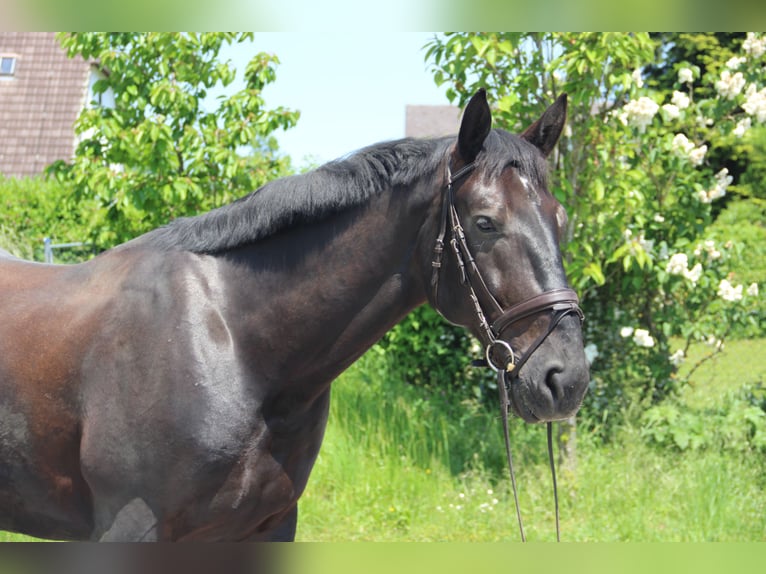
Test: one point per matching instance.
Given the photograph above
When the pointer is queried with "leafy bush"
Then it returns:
(35, 208)
(739, 424)
(425, 350)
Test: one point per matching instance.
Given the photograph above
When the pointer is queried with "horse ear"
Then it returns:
(474, 127)
(545, 132)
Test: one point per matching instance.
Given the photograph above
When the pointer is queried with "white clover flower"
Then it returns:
(671, 111)
(754, 46)
(677, 358)
(728, 292)
(755, 103)
(730, 85)
(636, 75)
(591, 354)
(742, 126)
(678, 264)
(642, 338)
(735, 62)
(658, 218)
(680, 100)
(626, 332)
(752, 290)
(640, 112)
(685, 76)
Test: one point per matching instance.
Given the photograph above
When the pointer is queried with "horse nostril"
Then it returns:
(555, 382)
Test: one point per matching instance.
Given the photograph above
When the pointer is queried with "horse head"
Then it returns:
(501, 274)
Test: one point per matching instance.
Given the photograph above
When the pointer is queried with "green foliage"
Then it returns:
(158, 153)
(637, 172)
(427, 351)
(33, 209)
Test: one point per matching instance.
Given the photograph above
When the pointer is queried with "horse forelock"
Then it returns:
(503, 149)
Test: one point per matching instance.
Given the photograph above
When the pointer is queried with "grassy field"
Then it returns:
(392, 468)
(399, 466)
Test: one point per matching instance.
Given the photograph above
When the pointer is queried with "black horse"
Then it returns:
(177, 387)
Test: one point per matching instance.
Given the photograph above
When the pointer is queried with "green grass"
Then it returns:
(740, 363)
(397, 465)
(394, 469)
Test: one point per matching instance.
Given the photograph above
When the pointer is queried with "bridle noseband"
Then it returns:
(496, 320)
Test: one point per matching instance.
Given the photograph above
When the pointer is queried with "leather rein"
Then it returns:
(495, 320)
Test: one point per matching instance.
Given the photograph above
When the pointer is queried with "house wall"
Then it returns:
(39, 103)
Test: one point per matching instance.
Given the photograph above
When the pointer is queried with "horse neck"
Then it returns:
(333, 288)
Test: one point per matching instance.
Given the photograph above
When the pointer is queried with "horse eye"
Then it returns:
(485, 224)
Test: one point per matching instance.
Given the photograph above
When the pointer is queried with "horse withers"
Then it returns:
(177, 387)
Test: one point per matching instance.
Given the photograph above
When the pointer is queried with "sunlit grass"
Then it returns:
(394, 469)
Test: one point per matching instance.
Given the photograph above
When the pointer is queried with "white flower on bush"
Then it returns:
(681, 145)
(741, 128)
(730, 85)
(722, 181)
(677, 358)
(694, 273)
(639, 113)
(685, 76)
(671, 111)
(714, 342)
(755, 103)
(697, 155)
(678, 264)
(709, 248)
(728, 292)
(636, 75)
(591, 352)
(684, 148)
(642, 338)
(752, 290)
(735, 62)
(680, 100)
(754, 46)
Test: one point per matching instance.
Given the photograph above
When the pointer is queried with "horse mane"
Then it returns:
(331, 188)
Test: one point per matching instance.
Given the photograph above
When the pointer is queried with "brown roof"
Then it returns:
(431, 121)
(38, 103)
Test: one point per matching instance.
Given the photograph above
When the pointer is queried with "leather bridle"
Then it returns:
(495, 320)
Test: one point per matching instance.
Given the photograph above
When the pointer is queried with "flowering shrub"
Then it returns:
(641, 172)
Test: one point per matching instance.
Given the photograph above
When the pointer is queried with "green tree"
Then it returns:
(635, 173)
(158, 153)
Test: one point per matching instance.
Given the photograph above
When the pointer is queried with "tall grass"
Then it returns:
(398, 466)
